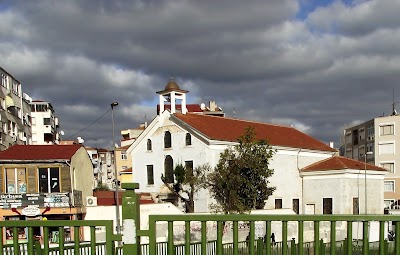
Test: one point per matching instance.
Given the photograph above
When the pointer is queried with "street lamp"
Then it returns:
(118, 227)
(365, 178)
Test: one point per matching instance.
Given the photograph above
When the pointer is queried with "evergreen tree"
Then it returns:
(239, 182)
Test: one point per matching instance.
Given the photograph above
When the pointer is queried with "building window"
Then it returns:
(124, 156)
(389, 204)
(278, 203)
(348, 138)
(189, 167)
(46, 121)
(3, 80)
(188, 139)
(386, 148)
(41, 108)
(356, 206)
(169, 169)
(16, 180)
(327, 206)
(389, 186)
(389, 166)
(49, 180)
(371, 131)
(167, 139)
(149, 145)
(150, 175)
(386, 129)
(355, 137)
(370, 147)
(296, 205)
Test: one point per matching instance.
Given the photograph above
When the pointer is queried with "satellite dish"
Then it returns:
(61, 132)
(202, 106)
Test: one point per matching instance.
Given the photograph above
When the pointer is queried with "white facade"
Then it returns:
(286, 162)
(342, 186)
(45, 124)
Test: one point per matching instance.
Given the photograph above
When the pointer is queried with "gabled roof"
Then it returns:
(227, 129)
(39, 152)
(340, 163)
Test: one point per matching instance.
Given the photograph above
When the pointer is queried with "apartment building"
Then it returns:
(45, 125)
(377, 141)
(15, 112)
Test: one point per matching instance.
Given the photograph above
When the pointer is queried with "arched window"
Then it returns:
(188, 139)
(149, 145)
(169, 169)
(167, 139)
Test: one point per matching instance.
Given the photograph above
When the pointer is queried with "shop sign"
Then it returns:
(31, 211)
(35, 200)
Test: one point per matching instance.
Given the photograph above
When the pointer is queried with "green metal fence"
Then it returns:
(32, 245)
(265, 246)
(292, 240)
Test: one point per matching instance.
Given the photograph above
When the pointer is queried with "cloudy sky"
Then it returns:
(319, 65)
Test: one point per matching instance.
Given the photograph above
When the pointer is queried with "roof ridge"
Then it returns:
(242, 120)
(340, 161)
(317, 163)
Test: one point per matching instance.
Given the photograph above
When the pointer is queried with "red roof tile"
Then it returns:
(189, 107)
(227, 129)
(340, 163)
(39, 152)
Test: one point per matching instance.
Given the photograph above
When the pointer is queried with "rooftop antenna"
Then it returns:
(394, 112)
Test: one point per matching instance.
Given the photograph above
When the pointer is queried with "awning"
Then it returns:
(9, 101)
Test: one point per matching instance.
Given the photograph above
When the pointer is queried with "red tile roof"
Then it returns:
(39, 152)
(189, 107)
(227, 129)
(340, 163)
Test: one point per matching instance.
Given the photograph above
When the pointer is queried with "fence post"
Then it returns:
(293, 246)
(322, 246)
(37, 247)
(130, 219)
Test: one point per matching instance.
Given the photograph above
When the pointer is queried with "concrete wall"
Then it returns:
(342, 187)
(389, 158)
(82, 173)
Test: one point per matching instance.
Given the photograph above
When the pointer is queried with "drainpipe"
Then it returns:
(71, 173)
(302, 182)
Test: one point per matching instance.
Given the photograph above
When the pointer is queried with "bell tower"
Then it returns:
(172, 93)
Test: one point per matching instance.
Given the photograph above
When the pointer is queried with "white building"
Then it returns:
(377, 141)
(15, 112)
(45, 125)
(194, 139)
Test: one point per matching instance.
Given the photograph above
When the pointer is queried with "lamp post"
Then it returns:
(365, 178)
(118, 227)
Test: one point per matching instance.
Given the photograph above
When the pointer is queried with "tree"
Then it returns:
(188, 182)
(239, 182)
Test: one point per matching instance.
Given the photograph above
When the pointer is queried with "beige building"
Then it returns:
(15, 112)
(123, 160)
(44, 181)
(377, 141)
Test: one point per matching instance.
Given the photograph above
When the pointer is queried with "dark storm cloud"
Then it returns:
(255, 58)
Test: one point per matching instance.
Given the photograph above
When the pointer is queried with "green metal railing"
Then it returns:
(33, 246)
(294, 234)
(296, 246)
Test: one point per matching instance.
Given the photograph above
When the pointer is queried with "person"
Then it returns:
(273, 238)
